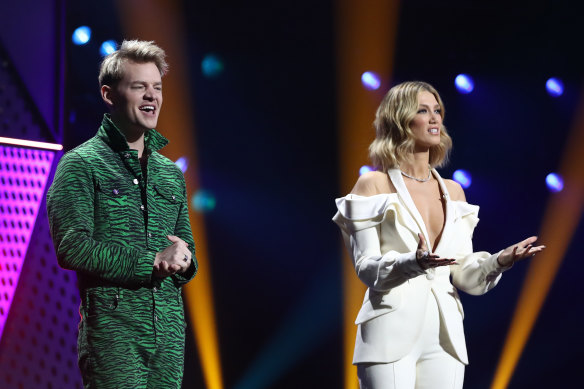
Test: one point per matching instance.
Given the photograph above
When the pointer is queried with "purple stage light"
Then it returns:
(462, 177)
(182, 163)
(464, 83)
(554, 182)
(370, 80)
(365, 169)
(81, 35)
(555, 87)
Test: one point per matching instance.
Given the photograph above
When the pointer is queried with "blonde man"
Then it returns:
(118, 217)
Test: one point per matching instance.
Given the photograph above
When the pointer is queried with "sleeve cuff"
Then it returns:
(408, 265)
(145, 267)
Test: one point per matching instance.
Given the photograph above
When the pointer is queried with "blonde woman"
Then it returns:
(409, 233)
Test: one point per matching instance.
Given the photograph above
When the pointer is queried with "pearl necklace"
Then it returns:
(419, 179)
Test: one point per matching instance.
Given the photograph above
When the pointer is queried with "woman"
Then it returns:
(409, 232)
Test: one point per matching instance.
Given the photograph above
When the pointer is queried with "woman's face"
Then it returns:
(427, 122)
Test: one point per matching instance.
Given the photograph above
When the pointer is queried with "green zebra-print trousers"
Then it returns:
(125, 341)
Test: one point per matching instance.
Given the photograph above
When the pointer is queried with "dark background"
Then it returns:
(267, 149)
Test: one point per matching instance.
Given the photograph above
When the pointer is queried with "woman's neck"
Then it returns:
(418, 164)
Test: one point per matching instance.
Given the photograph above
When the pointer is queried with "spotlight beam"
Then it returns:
(366, 35)
(560, 221)
(161, 21)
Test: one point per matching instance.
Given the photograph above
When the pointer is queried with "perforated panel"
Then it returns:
(39, 346)
(23, 176)
(38, 300)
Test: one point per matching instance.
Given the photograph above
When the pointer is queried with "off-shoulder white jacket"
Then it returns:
(381, 234)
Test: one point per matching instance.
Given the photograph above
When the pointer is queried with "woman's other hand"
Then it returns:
(519, 251)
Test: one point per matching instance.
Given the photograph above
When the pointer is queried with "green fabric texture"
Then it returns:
(107, 222)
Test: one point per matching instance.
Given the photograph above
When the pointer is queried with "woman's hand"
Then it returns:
(519, 251)
(427, 260)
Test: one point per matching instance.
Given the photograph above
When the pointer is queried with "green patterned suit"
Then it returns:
(108, 220)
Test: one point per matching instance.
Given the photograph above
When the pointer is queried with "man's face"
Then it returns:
(137, 97)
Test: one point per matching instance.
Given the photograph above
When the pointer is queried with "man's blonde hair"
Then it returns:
(111, 70)
(394, 141)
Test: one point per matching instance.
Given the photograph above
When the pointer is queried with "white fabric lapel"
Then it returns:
(402, 191)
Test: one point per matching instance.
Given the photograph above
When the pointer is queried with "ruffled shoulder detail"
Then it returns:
(358, 212)
(464, 211)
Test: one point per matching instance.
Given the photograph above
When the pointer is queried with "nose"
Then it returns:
(435, 117)
(149, 93)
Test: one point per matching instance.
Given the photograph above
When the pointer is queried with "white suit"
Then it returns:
(381, 233)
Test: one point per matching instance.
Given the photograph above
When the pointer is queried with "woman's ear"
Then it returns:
(107, 95)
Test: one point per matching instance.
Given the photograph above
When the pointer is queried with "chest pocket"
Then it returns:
(112, 209)
(168, 200)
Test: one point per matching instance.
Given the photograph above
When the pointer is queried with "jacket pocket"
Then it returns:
(112, 208)
(169, 199)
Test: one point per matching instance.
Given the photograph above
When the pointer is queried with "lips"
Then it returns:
(148, 108)
(434, 131)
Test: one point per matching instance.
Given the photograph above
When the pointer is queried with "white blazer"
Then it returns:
(381, 234)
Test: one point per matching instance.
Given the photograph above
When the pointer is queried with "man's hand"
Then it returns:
(176, 258)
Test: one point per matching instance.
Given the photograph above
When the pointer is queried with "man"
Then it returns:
(118, 217)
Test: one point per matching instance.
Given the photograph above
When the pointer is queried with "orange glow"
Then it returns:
(560, 221)
(366, 32)
(161, 21)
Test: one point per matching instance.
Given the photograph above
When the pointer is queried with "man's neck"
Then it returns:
(134, 138)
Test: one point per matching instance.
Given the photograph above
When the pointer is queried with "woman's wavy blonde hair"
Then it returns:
(394, 141)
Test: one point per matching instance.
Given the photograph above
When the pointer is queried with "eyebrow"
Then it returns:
(145, 82)
(427, 106)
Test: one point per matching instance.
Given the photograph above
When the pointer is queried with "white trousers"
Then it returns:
(427, 366)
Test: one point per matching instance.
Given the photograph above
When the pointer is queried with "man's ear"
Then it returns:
(107, 93)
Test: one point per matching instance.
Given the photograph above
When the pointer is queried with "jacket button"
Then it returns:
(150, 235)
(135, 181)
(142, 207)
(127, 155)
(115, 191)
(173, 197)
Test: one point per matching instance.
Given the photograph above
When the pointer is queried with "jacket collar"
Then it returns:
(114, 138)
(399, 184)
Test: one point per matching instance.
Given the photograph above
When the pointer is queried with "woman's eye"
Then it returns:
(423, 110)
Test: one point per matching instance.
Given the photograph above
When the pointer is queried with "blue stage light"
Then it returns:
(555, 87)
(462, 177)
(464, 83)
(211, 66)
(81, 35)
(108, 47)
(203, 201)
(182, 163)
(364, 169)
(370, 80)
(554, 182)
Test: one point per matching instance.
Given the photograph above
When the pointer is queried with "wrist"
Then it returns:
(502, 263)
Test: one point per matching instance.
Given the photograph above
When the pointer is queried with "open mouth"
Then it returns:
(148, 109)
(434, 131)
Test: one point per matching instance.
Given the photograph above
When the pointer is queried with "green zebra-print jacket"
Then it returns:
(108, 220)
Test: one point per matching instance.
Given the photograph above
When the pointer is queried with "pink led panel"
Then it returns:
(23, 176)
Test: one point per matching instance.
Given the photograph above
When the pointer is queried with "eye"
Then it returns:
(438, 111)
(422, 110)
